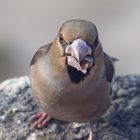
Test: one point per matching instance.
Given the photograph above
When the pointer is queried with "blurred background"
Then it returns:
(28, 24)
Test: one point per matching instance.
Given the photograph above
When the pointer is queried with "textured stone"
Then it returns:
(120, 122)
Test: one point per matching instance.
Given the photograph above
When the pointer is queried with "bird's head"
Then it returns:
(77, 41)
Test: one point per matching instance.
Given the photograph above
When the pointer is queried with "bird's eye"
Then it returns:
(61, 38)
(62, 41)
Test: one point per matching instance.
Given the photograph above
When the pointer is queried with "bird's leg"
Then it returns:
(42, 120)
(92, 131)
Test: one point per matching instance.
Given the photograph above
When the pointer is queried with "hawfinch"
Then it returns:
(71, 77)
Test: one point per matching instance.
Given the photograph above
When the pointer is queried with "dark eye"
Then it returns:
(62, 41)
(61, 38)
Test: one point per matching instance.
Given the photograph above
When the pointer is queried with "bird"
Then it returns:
(71, 76)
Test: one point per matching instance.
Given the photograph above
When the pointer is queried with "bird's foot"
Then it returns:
(92, 132)
(42, 119)
(91, 135)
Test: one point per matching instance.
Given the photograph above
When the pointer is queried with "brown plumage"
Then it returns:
(71, 77)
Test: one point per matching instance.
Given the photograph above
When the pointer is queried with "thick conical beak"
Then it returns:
(78, 49)
(77, 54)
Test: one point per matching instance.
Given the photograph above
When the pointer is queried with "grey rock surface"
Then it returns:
(120, 122)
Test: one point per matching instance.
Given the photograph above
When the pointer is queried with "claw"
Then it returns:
(42, 120)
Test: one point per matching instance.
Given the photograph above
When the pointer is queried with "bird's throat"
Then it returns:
(82, 66)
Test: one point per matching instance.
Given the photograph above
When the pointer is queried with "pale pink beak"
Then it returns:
(78, 49)
(79, 55)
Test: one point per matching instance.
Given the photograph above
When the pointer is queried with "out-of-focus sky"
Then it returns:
(28, 24)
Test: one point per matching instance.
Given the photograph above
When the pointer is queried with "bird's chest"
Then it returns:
(65, 100)
(79, 104)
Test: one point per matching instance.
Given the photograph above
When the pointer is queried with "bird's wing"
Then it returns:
(41, 52)
(109, 66)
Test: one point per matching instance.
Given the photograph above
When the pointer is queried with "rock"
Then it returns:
(120, 122)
